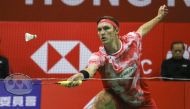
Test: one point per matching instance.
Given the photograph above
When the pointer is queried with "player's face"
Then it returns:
(106, 32)
(177, 51)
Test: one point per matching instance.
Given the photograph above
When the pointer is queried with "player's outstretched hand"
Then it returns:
(73, 81)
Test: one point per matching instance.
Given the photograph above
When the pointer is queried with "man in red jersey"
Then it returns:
(119, 57)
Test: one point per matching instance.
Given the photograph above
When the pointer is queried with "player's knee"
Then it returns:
(103, 99)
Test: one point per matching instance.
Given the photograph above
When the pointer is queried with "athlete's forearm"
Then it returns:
(91, 69)
(145, 28)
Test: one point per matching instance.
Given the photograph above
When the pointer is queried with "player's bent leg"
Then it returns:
(149, 105)
(104, 100)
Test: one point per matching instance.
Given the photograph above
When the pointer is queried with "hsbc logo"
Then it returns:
(61, 57)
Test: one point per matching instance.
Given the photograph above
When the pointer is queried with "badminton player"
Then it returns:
(119, 57)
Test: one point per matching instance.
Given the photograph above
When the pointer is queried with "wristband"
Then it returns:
(85, 74)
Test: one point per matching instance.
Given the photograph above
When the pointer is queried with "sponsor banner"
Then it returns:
(60, 49)
(13, 94)
(91, 10)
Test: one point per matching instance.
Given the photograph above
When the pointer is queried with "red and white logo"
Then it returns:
(61, 57)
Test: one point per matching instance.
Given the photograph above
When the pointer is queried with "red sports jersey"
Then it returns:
(123, 70)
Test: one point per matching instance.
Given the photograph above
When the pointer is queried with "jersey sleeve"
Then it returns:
(96, 58)
(133, 37)
(134, 40)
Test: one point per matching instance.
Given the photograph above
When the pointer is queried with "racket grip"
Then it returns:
(66, 83)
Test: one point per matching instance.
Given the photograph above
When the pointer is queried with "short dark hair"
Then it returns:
(177, 42)
(110, 18)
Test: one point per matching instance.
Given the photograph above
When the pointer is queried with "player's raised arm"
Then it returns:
(145, 28)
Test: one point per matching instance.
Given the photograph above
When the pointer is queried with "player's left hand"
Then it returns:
(162, 11)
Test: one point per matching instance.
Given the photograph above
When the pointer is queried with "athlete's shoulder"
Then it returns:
(131, 36)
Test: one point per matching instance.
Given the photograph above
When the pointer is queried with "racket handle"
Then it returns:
(66, 83)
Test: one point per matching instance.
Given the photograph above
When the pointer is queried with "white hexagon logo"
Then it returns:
(63, 48)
